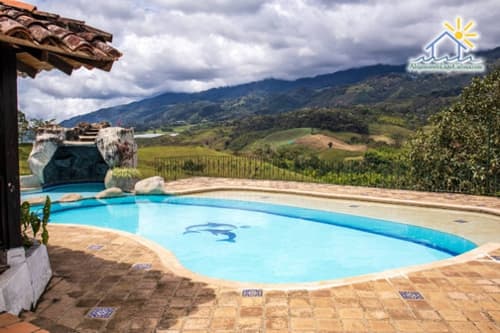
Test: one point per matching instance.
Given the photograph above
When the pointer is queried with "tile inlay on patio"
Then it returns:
(459, 298)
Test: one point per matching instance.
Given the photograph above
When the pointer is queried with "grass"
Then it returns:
(181, 128)
(336, 155)
(24, 153)
(391, 131)
(344, 136)
(147, 155)
(227, 166)
(280, 138)
(392, 120)
(127, 173)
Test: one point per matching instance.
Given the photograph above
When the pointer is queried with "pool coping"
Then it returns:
(170, 261)
(365, 198)
(341, 196)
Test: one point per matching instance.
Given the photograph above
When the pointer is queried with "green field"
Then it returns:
(229, 166)
(147, 155)
(344, 136)
(336, 155)
(392, 131)
(24, 153)
(279, 138)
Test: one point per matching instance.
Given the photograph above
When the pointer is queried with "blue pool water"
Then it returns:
(257, 242)
(87, 190)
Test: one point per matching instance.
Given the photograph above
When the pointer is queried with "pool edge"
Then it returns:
(170, 261)
(403, 202)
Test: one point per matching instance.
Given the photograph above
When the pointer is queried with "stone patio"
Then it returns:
(101, 274)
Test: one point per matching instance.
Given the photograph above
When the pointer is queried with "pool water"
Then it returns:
(86, 190)
(257, 242)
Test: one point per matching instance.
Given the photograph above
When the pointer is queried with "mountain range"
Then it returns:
(386, 88)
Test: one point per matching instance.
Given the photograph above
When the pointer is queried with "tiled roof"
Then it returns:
(45, 41)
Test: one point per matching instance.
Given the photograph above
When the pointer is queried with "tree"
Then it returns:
(461, 150)
(38, 122)
(22, 124)
(28, 127)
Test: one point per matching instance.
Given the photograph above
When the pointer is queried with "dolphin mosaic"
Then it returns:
(216, 229)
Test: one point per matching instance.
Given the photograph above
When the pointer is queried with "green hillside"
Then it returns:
(146, 155)
(279, 138)
(383, 89)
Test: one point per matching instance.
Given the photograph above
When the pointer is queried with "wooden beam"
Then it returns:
(59, 63)
(10, 224)
(104, 65)
(25, 68)
(44, 57)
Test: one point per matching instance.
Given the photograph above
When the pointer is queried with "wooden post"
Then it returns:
(10, 226)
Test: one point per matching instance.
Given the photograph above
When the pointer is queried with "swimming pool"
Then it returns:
(86, 190)
(265, 243)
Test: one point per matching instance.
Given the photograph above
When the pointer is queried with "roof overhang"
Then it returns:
(44, 41)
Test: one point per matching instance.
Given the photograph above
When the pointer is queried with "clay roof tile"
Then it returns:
(18, 4)
(11, 27)
(40, 34)
(73, 43)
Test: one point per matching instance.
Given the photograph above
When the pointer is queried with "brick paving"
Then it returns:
(95, 269)
(458, 298)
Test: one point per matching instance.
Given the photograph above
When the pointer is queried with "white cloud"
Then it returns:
(192, 45)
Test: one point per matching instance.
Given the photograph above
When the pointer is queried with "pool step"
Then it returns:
(87, 138)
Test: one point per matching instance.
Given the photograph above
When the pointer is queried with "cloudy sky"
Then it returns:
(193, 45)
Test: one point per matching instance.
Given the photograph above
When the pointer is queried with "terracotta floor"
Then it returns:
(457, 298)
(12, 324)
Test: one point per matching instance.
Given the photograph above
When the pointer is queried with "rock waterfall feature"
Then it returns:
(81, 154)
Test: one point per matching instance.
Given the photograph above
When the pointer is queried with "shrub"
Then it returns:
(461, 150)
(127, 173)
(35, 221)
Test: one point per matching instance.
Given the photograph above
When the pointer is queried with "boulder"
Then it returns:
(110, 193)
(70, 197)
(125, 184)
(152, 185)
(117, 147)
(44, 148)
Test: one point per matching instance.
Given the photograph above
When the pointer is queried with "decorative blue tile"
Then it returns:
(101, 313)
(251, 293)
(354, 206)
(411, 295)
(216, 229)
(95, 247)
(460, 221)
(141, 266)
